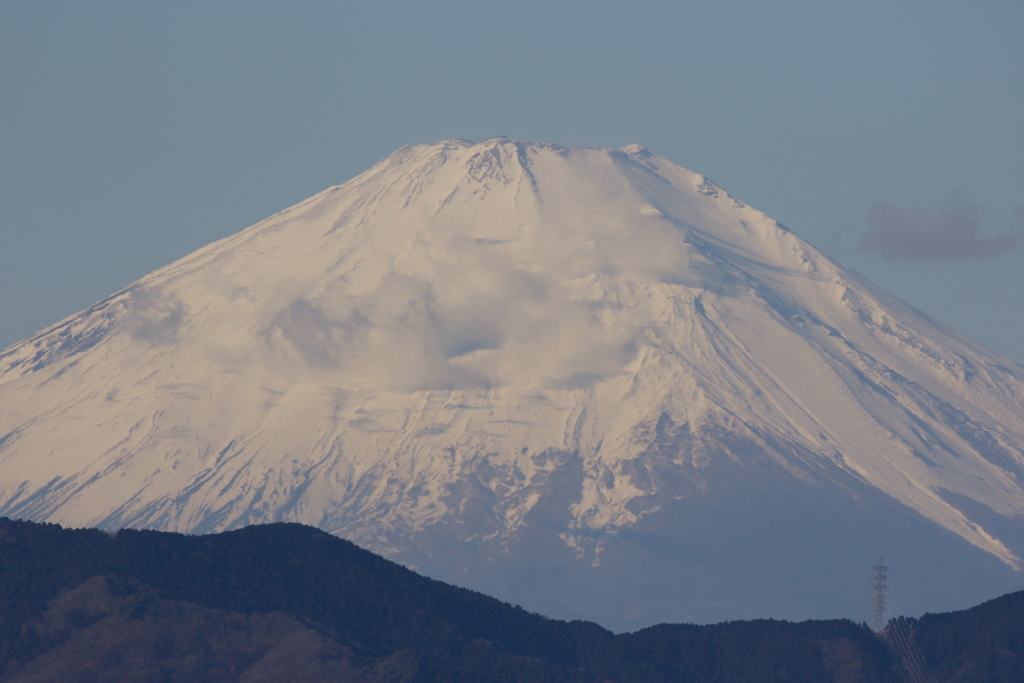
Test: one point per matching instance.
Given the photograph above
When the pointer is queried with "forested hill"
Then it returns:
(290, 602)
(984, 643)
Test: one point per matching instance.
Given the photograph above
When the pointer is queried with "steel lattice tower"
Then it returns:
(895, 632)
(880, 583)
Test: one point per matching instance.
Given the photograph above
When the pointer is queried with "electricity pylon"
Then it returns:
(879, 606)
(894, 631)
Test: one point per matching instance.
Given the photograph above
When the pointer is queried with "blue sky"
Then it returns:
(888, 134)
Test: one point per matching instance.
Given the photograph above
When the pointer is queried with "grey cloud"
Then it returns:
(950, 231)
(153, 317)
(311, 332)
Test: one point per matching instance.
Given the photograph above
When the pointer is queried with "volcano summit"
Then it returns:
(588, 381)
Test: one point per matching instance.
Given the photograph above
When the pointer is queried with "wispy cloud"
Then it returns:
(951, 230)
(154, 317)
(465, 313)
(461, 328)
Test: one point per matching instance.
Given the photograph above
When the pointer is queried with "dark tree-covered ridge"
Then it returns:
(355, 612)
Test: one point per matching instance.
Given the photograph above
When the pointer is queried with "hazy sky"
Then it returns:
(888, 134)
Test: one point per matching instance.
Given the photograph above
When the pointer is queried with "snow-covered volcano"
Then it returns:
(586, 380)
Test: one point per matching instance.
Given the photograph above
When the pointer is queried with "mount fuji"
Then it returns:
(588, 381)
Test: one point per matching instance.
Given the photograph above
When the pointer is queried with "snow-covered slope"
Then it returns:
(506, 361)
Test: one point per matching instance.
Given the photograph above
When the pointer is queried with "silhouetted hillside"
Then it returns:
(984, 643)
(284, 599)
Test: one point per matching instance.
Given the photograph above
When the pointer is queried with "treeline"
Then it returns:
(241, 605)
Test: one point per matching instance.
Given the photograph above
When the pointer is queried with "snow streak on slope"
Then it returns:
(467, 332)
